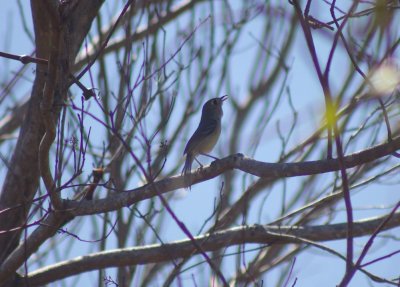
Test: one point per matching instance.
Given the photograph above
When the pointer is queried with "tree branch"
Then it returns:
(261, 234)
(240, 162)
(88, 54)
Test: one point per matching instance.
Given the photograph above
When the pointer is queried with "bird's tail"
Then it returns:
(187, 168)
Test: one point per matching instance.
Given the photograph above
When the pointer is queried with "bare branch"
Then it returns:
(262, 234)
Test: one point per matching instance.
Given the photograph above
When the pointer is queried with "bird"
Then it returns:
(206, 135)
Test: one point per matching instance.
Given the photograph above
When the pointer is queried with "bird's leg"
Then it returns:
(209, 156)
(201, 166)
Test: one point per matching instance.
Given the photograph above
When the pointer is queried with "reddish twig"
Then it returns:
(331, 124)
(349, 275)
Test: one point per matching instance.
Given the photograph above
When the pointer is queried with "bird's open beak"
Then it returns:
(223, 98)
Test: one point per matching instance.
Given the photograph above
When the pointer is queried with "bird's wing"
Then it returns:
(205, 128)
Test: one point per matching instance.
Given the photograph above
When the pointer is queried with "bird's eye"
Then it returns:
(215, 102)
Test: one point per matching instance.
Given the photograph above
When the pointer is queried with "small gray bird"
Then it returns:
(206, 136)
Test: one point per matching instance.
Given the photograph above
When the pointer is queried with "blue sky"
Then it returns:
(194, 206)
